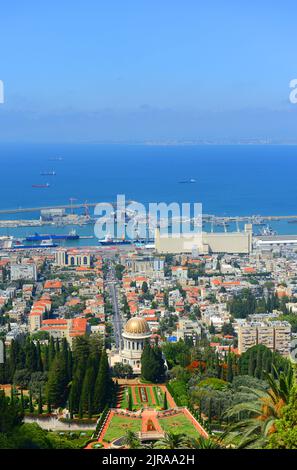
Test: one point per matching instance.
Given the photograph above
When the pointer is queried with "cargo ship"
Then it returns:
(72, 235)
(109, 241)
(46, 185)
(43, 244)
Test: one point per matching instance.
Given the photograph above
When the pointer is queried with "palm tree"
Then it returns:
(260, 413)
(172, 440)
(202, 443)
(131, 440)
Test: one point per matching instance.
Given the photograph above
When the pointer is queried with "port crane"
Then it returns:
(72, 200)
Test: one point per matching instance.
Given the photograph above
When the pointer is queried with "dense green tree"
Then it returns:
(152, 363)
(144, 287)
(121, 370)
(57, 381)
(88, 386)
(10, 413)
(243, 304)
(22, 378)
(227, 329)
(31, 355)
(102, 384)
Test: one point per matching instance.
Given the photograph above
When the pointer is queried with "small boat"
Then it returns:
(48, 173)
(40, 186)
(190, 181)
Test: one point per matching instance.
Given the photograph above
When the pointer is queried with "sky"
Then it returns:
(135, 70)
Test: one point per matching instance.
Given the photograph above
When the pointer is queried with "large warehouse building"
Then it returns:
(227, 242)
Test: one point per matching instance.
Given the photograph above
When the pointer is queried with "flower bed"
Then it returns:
(143, 394)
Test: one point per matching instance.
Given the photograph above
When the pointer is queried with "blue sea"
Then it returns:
(230, 180)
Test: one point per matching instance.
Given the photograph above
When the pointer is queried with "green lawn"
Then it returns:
(179, 424)
(119, 425)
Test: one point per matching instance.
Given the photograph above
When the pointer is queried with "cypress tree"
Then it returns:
(209, 411)
(46, 358)
(152, 363)
(40, 402)
(80, 410)
(22, 402)
(57, 381)
(31, 356)
(102, 384)
(218, 366)
(75, 391)
(229, 368)
(39, 365)
(31, 407)
(12, 359)
(52, 352)
(88, 385)
(251, 366)
(64, 357)
(90, 406)
(145, 361)
(49, 408)
(69, 363)
(267, 361)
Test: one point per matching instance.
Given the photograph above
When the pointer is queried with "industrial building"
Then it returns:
(205, 242)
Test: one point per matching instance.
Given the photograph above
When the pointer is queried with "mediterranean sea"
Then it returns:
(230, 179)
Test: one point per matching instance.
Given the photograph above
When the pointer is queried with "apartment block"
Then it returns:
(274, 335)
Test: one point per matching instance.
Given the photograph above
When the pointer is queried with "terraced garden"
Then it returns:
(142, 396)
(119, 425)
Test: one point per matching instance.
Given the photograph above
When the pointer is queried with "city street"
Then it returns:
(117, 320)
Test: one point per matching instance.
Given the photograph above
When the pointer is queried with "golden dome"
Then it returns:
(137, 326)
